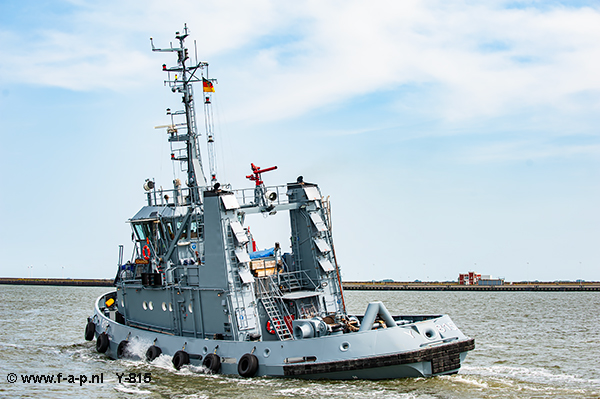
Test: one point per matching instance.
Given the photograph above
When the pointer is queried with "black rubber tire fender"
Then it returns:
(248, 365)
(102, 343)
(180, 358)
(90, 330)
(122, 349)
(153, 352)
(212, 362)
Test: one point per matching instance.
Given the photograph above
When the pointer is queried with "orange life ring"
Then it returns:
(146, 252)
(270, 328)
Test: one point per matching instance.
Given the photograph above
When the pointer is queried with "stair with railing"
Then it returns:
(295, 281)
(288, 282)
(267, 292)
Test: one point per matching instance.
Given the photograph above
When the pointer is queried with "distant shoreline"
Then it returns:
(73, 282)
(453, 286)
(353, 285)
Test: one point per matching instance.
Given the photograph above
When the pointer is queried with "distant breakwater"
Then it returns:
(520, 286)
(73, 282)
(353, 285)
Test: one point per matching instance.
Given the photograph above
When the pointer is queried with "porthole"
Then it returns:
(145, 305)
(267, 352)
(345, 346)
(170, 307)
(190, 309)
(164, 306)
(122, 303)
(150, 305)
(205, 350)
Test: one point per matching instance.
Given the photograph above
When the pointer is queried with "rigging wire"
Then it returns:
(209, 128)
(224, 140)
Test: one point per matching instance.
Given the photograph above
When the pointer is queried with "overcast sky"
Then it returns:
(450, 135)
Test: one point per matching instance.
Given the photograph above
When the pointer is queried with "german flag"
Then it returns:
(207, 85)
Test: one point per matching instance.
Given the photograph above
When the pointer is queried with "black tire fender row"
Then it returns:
(180, 358)
(102, 343)
(153, 352)
(248, 365)
(90, 330)
(122, 349)
(212, 362)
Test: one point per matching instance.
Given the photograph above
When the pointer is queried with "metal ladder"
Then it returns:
(277, 320)
(289, 281)
(293, 283)
(193, 113)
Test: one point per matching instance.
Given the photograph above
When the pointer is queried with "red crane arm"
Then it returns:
(256, 171)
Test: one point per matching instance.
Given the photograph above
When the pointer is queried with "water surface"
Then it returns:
(528, 344)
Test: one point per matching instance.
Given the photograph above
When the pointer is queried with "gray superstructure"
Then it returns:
(196, 288)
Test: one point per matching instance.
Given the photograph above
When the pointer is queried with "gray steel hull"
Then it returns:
(396, 352)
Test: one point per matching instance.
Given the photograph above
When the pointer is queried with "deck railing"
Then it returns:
(182, 196)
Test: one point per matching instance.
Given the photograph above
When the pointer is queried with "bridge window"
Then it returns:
(170, 232)
(195, 230)
(142, 231)
(185, 228)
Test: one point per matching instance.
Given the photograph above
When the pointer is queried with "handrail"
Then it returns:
(300, 275)
(246, 196)
(181, 196)
(271, 290)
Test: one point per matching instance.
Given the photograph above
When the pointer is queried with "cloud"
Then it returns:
(281, 61)
(106, 45)
(528, 151)
(358, 48)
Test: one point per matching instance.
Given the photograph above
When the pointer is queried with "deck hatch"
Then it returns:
(245, 318)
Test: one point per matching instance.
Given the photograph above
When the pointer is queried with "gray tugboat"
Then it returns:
(198, 290)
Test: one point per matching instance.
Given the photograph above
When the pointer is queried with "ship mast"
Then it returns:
(180, 79)
(208, 89)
